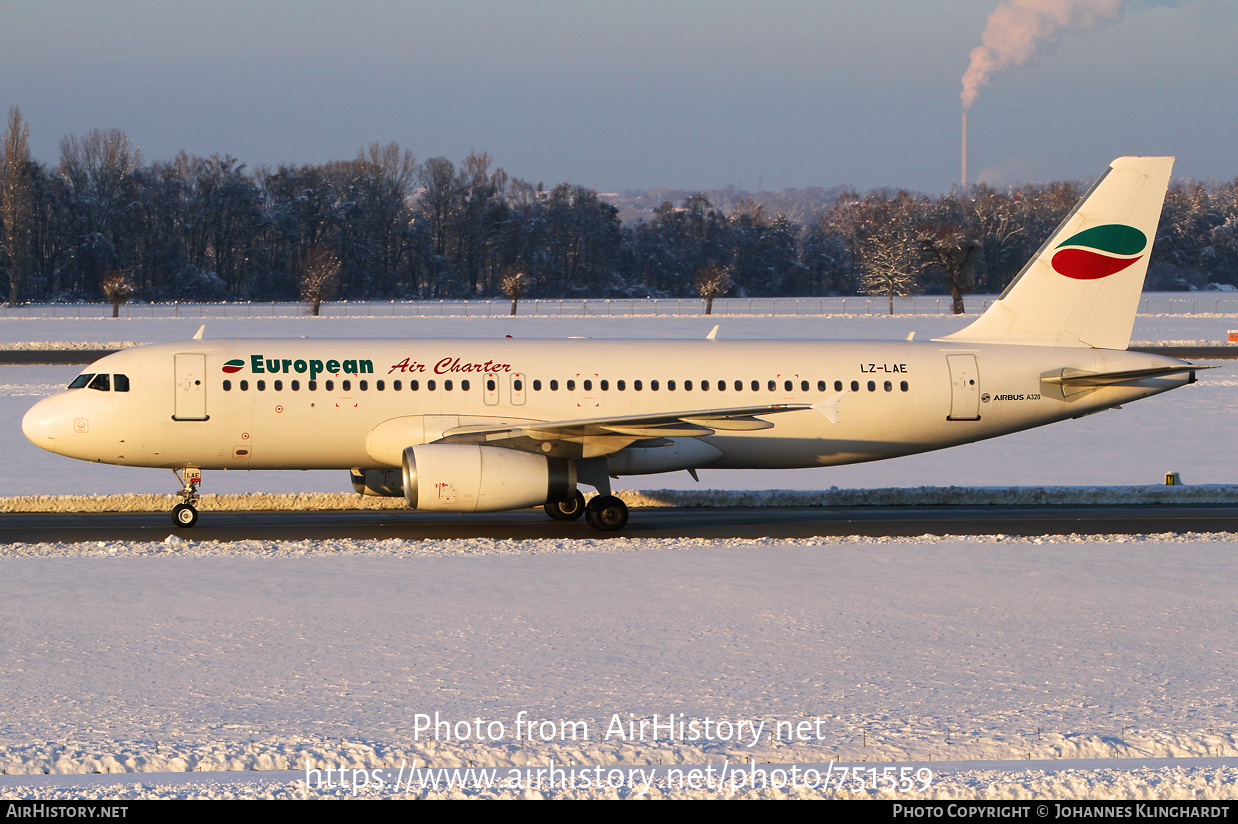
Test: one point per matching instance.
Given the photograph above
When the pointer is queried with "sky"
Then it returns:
(614, 96)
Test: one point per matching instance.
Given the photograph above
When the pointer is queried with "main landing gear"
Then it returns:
(184, 514)
(607, 513)
(568, 510)
(604, 512)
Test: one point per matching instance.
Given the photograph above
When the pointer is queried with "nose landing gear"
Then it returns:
(184, 515)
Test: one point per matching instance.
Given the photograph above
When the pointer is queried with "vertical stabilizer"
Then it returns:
(1082, 288)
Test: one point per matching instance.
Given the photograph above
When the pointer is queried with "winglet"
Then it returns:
(713, 333)
(829, 407)
(198, 335)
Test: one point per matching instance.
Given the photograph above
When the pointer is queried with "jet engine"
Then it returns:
(474, 478)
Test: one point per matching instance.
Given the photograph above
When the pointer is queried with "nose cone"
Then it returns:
(39, 425)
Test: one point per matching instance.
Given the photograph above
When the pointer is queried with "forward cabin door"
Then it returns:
(190, 387)
(964, 388)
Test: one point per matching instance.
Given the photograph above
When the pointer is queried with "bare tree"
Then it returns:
(955, 253)
(117, 288)
(514, 284)
(17, 204)
(712, 281)
(319, 276)
(890, 263)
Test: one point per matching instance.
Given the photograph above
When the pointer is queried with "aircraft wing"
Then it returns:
(595, 437)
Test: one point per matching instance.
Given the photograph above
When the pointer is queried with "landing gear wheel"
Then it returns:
(184, 515)
(568, 510)
(607, 513)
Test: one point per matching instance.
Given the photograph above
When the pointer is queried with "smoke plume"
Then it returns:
(1018, 30)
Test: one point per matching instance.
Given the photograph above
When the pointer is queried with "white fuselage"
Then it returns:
(343, 404)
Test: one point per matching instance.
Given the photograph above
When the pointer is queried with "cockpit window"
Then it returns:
(120, 383)
(100, 382)
(81, 380)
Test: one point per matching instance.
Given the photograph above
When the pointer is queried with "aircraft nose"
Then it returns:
(39, 425)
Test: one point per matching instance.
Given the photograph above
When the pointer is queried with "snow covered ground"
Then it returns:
(184, 656)
(181, 656)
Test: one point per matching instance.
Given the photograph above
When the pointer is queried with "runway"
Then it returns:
(736, 522)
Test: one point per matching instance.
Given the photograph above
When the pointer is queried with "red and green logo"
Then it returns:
(234, 365)
(1099, 252)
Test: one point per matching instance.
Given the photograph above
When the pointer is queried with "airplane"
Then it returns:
(486, 425)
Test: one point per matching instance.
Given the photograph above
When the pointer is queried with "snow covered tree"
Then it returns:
(513, 285)
(17, 204)
(117, 288)
(712, 281)
(319, 276)
(890, 262)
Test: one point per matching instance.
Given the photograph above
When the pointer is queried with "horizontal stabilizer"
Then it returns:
(1079, 377)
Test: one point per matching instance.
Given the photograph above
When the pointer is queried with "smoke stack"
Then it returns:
(964, 150)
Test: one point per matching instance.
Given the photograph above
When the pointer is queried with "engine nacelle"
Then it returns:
(474, 478)
(382, 483)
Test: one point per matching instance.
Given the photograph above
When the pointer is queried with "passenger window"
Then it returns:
(346, 385)
(622, 385)
(366, 385)
(430, 386)
(571, 386)
(803, 386)
(279, 386)
(721, 385)
(313, 386)
(889, 387)
(554, 386)
(636, 385)
(756, 386)
(262, 386)
(464, 385)
(379, 385)
(395, 386)
(605, 385)
(588, 386)
(855, 386)
(903, 386)
(786, 386)
(413, 386)
(244, 387)
(653, 385)
(330, 386)
(771, 386)
(446, 385)
(670, 386)
(537, 385)
(838, 386)
(687, 386)
(101, 382)
(296, 386)
(490, 385)
(821, 386)
(704, 386)
(872, 386)
(227, 386)
(120, 383)
(81, 380)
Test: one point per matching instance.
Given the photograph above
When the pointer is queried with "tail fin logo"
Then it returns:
(1099, 252)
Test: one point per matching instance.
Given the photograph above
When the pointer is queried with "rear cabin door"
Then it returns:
(190, 387)
(964, 388)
